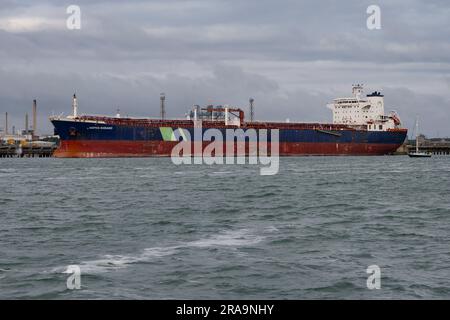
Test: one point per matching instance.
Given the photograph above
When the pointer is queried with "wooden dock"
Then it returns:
(436, 150)
(30, 151)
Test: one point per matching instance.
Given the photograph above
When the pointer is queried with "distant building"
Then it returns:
(439, 146)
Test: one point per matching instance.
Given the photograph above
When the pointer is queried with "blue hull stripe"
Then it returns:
(90, 131)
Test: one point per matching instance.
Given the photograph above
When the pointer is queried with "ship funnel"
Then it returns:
(75, 106)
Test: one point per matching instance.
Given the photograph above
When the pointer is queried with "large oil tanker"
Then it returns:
(360, 127)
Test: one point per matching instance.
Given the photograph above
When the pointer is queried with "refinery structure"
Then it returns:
(10, 133)
(24, 142)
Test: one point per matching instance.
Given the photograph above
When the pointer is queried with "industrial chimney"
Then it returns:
(34, 118)
(6, 123)
(163, 111)
(26, 123)
(75, 106)
(252, 114)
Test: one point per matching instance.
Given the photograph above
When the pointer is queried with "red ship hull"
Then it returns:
(118, 149)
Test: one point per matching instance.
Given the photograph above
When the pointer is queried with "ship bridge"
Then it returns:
(359, 110)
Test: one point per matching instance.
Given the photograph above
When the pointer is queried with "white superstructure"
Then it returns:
(360, 110)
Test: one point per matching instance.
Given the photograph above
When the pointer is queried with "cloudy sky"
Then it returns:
(291, 56)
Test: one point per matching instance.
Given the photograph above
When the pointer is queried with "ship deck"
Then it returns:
(185, 123)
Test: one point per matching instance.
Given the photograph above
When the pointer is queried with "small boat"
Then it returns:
(417, 153)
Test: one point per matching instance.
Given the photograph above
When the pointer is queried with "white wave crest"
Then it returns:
(242, 237)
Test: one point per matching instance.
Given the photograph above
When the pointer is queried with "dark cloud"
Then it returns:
(291, 56)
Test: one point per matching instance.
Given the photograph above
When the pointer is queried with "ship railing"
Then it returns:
(217, 124)
(152, 122)
(308, 126)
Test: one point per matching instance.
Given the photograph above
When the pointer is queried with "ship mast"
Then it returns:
(74, 106)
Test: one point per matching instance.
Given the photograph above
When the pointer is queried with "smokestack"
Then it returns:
(252, 114)
(34, 118)
(75, 106)
(26, 123)
(163, 111)
(6, 123)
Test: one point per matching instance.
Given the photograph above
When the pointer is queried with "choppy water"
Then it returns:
(145, 228)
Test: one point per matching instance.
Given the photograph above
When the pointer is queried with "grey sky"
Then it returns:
(291, 56)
